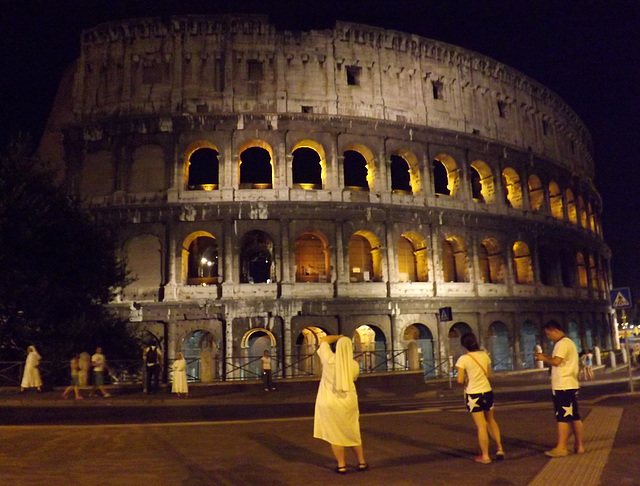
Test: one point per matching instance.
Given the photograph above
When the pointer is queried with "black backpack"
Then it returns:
(152, 355)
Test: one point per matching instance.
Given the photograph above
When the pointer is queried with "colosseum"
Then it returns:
(273, 186)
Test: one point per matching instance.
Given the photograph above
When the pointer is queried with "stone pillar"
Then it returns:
(287, 346)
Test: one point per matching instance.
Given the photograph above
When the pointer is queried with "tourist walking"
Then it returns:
(31, 376)
(179, 384)
(75, 379)
(337, 417)
(153, 361)
(564, 364)
(99, 363)
(265, 365)
(474, 370)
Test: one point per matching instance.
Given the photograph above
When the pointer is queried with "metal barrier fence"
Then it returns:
(242, 368)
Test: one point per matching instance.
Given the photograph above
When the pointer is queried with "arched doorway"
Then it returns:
(254, 343)
(200, 352)
(307, 363)
(420, 337)
(456, 331)
(499, 347)
(574, 334)
(528, 341)
(370, 349)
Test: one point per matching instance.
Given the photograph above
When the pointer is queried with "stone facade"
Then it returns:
(271, 186)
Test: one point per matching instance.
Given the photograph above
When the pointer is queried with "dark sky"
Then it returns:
(586, 51)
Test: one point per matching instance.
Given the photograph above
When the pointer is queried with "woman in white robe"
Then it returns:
(179, 384)
(31, 377)
(337, 417)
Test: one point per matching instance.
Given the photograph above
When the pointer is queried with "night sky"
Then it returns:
(588, 52)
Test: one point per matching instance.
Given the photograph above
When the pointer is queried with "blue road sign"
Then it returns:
(445, 314)
(621, 298)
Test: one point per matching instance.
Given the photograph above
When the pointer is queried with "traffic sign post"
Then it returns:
(445, 315)
(621, 299)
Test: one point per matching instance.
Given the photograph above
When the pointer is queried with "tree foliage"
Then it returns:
(58, 268)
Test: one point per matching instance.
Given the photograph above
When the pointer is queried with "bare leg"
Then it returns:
(494, 430)
(66, 392)
(338, 452)
(564, 430)
(359, 454)
(483, 436)
(76, 390)
(578, 446)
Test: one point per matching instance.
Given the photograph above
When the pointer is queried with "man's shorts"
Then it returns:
(479, 402)
(98, 378)
(565, 403)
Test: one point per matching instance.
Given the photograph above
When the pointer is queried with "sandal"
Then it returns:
(482, 460)
(363, 466)
(500, 456)
(341, 469)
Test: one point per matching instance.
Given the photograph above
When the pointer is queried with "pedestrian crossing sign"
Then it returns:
(445, 314)
(621, 298)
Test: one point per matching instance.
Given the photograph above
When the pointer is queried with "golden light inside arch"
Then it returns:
(184, 264)
(513, 187)
(319, 149)
(245, 339)
(486, 180)
(376, 253)
(536, 193)
(370, 160)
(522, 263)
(260, 144)
(414, 169)
(420, 253)
(555, 200)
(572, 211)
(453, 173)
(200, 144)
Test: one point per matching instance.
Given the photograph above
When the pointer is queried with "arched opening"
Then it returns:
(446, 176)
(528, 342)
(254, 343)
(512, 188)
(202, 261)
(555, 201)
(549, 264)
(365, 258)
(370, 349)
(536, 193)
(582, 270)
(491, 262)
(454, 260)
(312, 258)
(499, 347)
(355, 171)
(522, 263)
(574, 333)
(420, 352)
(572, 212)
(306, 168)
(568, 269)
(593, 272)
(256, 169)
(482, 183)
(307, 363)
(582, 212)
(144, 263)
(203, 169)
(592, 218)
(589, 335)
(456, 331)
(200, 352)
(257, 264)
(407, 267)
(400, 175)
(147, 170)
(97, 176)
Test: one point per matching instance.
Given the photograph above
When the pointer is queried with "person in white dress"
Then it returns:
(31, 377)
(337, 417)
(474, 370)
(179, 384)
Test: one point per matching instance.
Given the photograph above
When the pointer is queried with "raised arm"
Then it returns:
(331, 338)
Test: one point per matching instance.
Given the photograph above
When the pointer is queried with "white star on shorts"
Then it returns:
(568, 411)
(472, 403)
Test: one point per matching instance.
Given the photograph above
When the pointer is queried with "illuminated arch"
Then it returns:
(452, 172)
(536, 193)
(512, 188)
(487, 190)
(593, 272)
(582, 213)
(591, 217)
(190, 261)
(244, 343)
(193, 147)
(572, 212)
(454, 259)
(414, 169)
(419, 255)
(318, 149)
(555, 200)
(260, 144)
(582, 270)
(366, 153)
(364, 256)
(492, 268)
(522, 266)
(313, 258)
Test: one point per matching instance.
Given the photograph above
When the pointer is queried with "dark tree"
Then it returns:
(57, 268)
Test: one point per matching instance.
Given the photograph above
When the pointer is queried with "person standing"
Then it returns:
(588, 365)
(153, 361)
(179, 368)
(564, 364)
(75, 379)
(336, 418)
(31, 376)
(474, 370)
(99, 363)
(265, 365)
